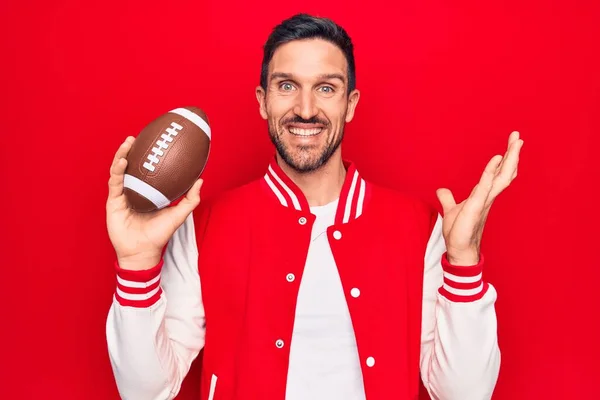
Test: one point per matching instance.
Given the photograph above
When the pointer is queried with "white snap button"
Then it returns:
(279, 344)
(337, 235)
(370, 361)
(302, 221)
(290, 277)
(355, 292)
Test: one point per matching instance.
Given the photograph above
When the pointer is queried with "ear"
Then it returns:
(261, 97)
(352, 102)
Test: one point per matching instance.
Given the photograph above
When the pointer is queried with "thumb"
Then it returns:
(446, 199)
(191, 200)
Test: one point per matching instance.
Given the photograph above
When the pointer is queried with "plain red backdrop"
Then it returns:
(443, 84)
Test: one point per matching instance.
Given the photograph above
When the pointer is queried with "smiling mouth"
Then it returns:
(304, 132)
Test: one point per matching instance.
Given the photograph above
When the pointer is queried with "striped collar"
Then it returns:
(351, 201)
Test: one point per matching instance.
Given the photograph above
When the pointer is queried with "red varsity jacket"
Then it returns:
(415, 316)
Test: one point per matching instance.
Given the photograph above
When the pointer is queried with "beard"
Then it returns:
(304, 159)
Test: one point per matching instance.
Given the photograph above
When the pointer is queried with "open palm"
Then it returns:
(464, 222)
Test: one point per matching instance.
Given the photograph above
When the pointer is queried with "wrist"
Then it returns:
(465, 261)
(466, 258)
(138, 262)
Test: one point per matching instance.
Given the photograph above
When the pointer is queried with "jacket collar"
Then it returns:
(352, 196)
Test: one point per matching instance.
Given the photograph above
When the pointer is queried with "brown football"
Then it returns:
(166, 158)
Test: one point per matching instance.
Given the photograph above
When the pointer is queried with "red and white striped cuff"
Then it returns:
(463, 284)
(138, 288)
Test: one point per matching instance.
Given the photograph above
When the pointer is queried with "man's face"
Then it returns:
(306, 102)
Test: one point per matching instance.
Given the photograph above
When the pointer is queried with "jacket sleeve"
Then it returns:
(460, 357)
(155, 326)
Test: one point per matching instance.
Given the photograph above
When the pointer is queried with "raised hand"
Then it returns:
(464, 222)
(138, 238)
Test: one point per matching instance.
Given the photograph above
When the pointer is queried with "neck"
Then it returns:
(321, 186)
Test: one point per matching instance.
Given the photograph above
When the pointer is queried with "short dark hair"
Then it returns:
(305, 26)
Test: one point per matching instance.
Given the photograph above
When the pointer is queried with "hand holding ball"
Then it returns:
(147, 174)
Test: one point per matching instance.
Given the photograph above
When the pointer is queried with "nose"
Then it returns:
(306, 105)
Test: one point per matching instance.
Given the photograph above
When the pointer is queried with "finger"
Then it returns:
(123, 150)
(509, 168)
(191, 200)
(117, 169)
(511, 138)
(480, 194)
(446, 199)
(514, 136)
(115, 182)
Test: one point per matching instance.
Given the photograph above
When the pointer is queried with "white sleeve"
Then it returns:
(155, 327)
(460, 357)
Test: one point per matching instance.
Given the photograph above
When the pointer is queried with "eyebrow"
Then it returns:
(285, 75)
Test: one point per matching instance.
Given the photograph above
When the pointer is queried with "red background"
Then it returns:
(443, 84)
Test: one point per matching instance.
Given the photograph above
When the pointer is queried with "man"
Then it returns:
(311, 282)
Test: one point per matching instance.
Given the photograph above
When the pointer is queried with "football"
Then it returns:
(166, 158)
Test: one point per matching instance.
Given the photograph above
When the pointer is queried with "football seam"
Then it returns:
(146, 190)
(195, 119)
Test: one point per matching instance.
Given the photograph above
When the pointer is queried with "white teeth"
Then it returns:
(305, 132)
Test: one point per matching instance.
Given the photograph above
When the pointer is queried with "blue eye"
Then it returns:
(327, 89)
(287, 86)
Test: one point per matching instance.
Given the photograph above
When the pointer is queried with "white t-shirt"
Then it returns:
(324, 362)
